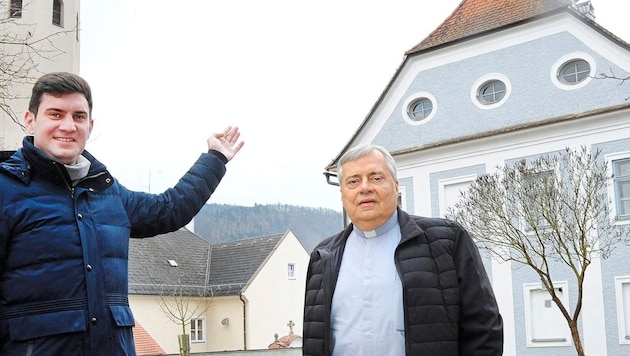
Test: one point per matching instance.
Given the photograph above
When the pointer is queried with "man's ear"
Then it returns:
(29, 121)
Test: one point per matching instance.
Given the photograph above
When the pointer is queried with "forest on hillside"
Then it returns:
(222, 223)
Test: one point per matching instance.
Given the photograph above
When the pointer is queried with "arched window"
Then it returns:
(15, 9)
(57, 14)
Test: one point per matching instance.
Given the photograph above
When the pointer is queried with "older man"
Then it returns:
(392, 283)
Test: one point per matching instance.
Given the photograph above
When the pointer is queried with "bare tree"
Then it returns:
(550, 214)
(22, 52)
(181, 302)
(613, 76)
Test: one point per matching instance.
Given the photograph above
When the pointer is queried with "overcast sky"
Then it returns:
(297, 77)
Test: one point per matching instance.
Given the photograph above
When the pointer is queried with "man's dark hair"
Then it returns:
(58, 84)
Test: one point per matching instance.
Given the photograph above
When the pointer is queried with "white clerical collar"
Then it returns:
(389, 224)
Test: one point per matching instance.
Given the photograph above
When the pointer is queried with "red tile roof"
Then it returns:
(145, 344)
(288, 341)
(472, 17)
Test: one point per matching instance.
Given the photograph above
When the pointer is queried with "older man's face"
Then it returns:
(369, 193)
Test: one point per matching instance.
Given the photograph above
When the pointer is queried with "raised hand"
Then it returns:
(226, 142)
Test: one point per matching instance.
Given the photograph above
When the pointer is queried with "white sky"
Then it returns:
(297, 77)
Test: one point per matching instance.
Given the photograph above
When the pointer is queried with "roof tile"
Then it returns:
(473, 17)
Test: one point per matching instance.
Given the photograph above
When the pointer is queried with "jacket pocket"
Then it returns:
(122, 315)
(40, 325)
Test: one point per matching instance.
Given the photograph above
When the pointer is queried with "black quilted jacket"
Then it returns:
(450, 308)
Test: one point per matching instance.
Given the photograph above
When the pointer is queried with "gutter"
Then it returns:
(328, 174)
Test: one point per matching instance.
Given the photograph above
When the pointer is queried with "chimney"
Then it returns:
(585, 9)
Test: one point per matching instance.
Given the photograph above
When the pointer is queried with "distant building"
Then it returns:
(52, 30)
(500, 81)
(245, 290)
(289, 341)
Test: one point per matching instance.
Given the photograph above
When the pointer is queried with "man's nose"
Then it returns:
(366, 185)
(67, 123)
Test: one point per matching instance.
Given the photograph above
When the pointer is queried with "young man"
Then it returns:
(393, 283)
(66, 224)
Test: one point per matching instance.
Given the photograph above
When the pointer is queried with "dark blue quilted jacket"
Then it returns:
(450, 308)
(64, 250)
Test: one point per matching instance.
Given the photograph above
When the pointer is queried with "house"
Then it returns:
(231, 296)
(145, 344)
(499, 81)
(51, 29)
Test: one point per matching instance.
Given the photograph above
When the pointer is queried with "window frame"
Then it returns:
(476, 89)
(565, 339)
(402, 197)
(612, 187)
(618, 199)
(550, 174)
(566, 59)
(423, 113)
(497, 94)
(194, 332)
(571, 70)
(291, 271)
(442, 188)
(623, 310)
(412, 100)
(57, 13)
(15, 9)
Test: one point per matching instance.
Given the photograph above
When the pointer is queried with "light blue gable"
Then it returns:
(533, 97)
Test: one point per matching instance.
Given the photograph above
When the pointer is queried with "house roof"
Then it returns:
(287, 341)
(203, 269)
(475, 18)
(145, 344)
(149, 263)
(234, 264)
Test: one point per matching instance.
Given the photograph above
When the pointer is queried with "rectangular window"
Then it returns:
(621, 182)
(537, 186)
(402, 198)
(545, 325)
(15, 9)
(197, 330)
(622, 290)
(450, 191)
(291, 271)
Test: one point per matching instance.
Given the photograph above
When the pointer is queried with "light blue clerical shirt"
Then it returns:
(367, 307)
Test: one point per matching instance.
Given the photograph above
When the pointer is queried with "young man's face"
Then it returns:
(62, 126)
(369, 193)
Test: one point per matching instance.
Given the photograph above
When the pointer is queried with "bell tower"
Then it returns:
(36, 37)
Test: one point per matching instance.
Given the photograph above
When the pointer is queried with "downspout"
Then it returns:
(240, 296)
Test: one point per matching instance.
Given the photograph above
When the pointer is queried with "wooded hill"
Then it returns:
(222, 223)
